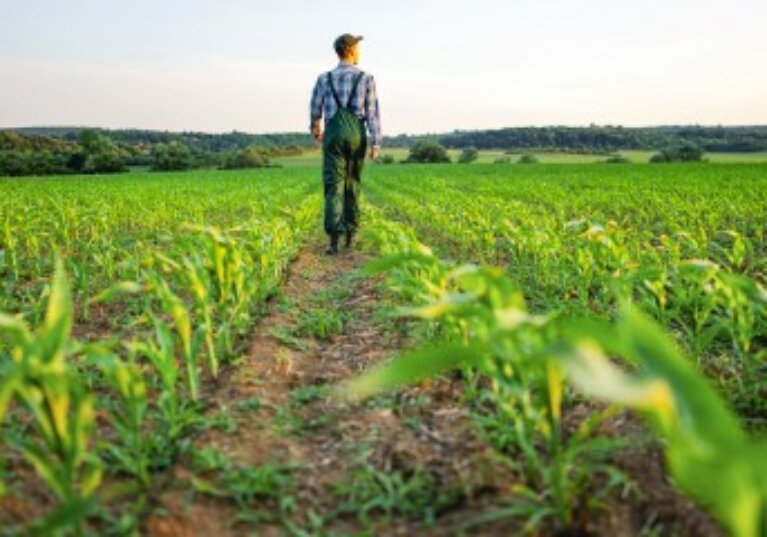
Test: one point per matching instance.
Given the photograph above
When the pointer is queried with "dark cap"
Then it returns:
(345, 42)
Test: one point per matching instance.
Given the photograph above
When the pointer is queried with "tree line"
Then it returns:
(62, 150)
(598, 139)
(592, 139)
(90, 151)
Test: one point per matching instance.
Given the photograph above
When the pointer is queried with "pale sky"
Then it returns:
(225, 65)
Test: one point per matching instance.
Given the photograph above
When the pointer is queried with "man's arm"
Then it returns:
(315, 110)
(373, 117)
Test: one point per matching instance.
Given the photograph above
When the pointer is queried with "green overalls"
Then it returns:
(344, 146)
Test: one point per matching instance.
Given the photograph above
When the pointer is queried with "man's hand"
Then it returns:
(317, 133)
(375, 152)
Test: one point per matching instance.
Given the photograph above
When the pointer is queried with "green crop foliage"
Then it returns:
(686, 243)
(640, 286)
(528, 359)
(41, 381)
(488, 327)
(707, 452)
(178, 269)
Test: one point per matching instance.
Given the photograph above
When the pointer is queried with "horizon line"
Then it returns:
(428, 133)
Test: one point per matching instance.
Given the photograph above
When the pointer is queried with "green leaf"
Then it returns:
(707, 452)
(46, 468)
(206, 487)
(386, 263)
(448, 303)
(410, 368)
(66, 517)
(15, 330)
(118, 289)
(91, 480)
(8, 386)
(699, 405)
(58, 319)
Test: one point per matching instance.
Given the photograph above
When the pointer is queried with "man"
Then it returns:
(347, 99)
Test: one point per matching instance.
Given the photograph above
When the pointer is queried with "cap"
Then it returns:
(346, 41)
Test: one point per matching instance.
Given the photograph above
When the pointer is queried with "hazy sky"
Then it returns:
(440, 65)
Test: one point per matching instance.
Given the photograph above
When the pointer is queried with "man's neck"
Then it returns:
(347, 63)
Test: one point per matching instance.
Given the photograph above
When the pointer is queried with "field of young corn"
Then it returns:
(547, 287)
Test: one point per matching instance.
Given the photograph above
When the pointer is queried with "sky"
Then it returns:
(224, 65)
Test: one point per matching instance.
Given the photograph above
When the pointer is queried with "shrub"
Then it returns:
(682, 153)
(110, 161)
(98, 154)
(250, 157)
(386, 159)
(502, 160)
(470, 154)
(43, 162)
(428, 152)
(172, 156)
(13, 163)
(617, 159)
(528, 158)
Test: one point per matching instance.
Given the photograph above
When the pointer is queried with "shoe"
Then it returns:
(332, 248)
(349, 239)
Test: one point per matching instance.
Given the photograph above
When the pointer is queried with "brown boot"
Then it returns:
(332, 248)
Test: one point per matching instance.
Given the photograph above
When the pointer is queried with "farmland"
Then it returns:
(555, 348)
(487, 156)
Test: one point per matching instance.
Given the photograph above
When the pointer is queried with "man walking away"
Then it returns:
(346, 97)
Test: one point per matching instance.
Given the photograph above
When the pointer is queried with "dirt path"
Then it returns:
(281, 456)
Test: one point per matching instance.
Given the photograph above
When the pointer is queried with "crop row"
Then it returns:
(687, 249)
(158, 302)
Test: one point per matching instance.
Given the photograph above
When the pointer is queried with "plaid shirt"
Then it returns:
(364, 104)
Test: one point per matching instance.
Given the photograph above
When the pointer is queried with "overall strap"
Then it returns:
(333, 89)
(354, 88)
(351, 95)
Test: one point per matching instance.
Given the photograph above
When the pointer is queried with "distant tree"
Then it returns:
(468, 155)
(171, 156)
(98, 154)
(686, 152)
(76, 161)
(427, 152)
(528, 158)
(13, 164)
(43, 162)
(11, 141)
(92, 142)
(105, 162)
(689, 153)
(250, 157)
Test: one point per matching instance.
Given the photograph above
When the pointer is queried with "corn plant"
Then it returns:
(132, 452)
(487, 327)
(42, 381)
(189, 338)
